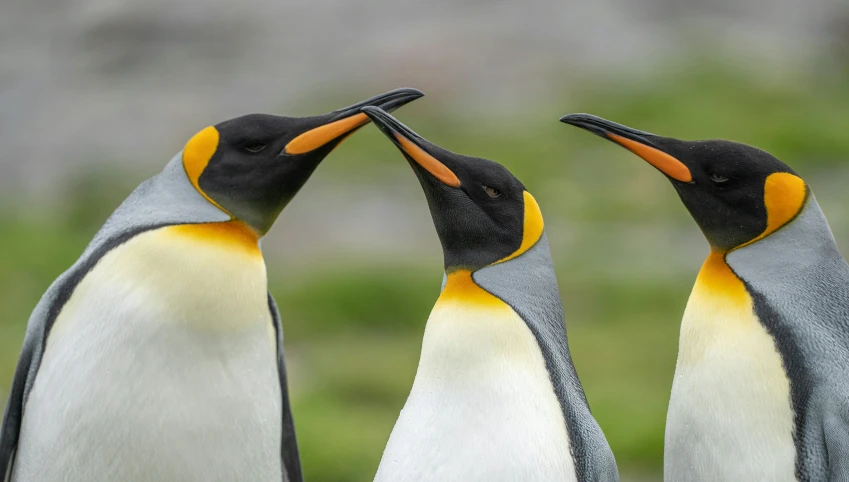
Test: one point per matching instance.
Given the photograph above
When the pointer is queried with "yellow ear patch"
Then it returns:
(196, 155)
(461, 288)
(533, 226)
(784, 197)
(667, 164)
(321, 135)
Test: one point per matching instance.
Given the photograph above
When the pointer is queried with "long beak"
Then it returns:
(411, 145)
(638, 142)
(343, 122)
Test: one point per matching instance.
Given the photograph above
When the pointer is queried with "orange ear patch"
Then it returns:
(428, 162)
(662, 161)
(533, 226)
(784, 196)
(321, 135)
(196, 155)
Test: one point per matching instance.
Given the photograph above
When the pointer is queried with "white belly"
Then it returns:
(730, 416)
(482, 407)
(161, 366)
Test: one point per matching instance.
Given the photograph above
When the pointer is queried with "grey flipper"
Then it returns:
(166, 199)
(836, 434)
(799, 283)
(289, 444)
(529, 285)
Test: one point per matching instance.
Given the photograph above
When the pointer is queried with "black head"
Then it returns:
(482, 213)
(736, 193)
(253, 165)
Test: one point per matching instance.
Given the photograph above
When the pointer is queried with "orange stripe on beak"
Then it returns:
(428, 162)
(662, 161)
(321, 135)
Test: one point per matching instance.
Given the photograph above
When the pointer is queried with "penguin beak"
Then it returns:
(638, 142)
(337, 125)
(412, 145)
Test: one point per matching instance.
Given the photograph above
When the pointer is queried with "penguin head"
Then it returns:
(736, 193)
(482, 213)
(251, 166)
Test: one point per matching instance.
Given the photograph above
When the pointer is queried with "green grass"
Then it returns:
(625, 248)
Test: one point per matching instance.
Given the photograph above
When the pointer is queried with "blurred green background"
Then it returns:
(353, 261)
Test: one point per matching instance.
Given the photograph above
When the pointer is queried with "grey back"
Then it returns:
(529, 285)
(799, 283)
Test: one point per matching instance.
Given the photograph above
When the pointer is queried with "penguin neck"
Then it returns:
(232, 234)
(468, 322)
(166, 199)
(482, 390)
(475, 343)
(718, 303)
(528, 284)
(460, 288)
(803, 242)
(526, 288)
(718, 281)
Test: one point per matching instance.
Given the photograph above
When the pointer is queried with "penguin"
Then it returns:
(760, 389)
(158, 355)
(495, 396)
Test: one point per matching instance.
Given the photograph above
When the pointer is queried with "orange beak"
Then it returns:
(344, 122)
(635, 141)
(410, 144)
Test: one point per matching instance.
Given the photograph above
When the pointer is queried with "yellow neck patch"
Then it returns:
(461, 288)
(229, 234)
(196, 155)
(719, 317)
(716, 279)
(784, 196)
(533, 226)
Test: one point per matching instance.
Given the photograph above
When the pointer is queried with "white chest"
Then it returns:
(730, 415)
(482, 407)
(161, 366)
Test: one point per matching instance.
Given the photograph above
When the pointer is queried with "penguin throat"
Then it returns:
(229, 234)
(460, 288)
(719, 307)
(717, 279)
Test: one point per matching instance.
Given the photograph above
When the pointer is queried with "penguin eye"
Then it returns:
(717, 178)
(254, 146)
(492, 192)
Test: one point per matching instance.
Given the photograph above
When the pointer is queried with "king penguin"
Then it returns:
(158, 355)
(760, 390)
(496, 396)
